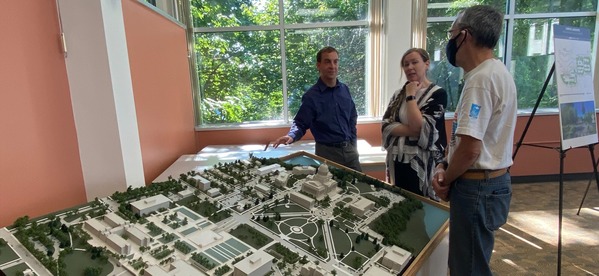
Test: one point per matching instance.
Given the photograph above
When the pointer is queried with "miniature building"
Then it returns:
(320, 184)
(200, 182)
(373, 235)
(114, 220)
(150, 204)
(267, 169)
(204, 238)
(137, 236)
(178, 267)
(396, 258)
(310, 269)
(257, 264)
(119, 230)
(361, 206)
(301, 170)
(377, 271)
(185, 193)
(301, 199)
(263, 189)
(111, 236)
(213, 192)
(314, 188)
(95, 227)
(118, 244)
(281, 179)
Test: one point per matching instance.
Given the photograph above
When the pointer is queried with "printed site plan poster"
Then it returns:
(574, 78)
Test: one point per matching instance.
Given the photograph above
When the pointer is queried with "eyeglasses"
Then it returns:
(450, 32)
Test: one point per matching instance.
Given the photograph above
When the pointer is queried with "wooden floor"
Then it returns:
(528, 243)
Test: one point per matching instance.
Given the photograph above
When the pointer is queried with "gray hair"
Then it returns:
(484, 23)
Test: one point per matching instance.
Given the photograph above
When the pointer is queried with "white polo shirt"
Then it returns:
(487, 111)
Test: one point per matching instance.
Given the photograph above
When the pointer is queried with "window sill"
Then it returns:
(361, 120)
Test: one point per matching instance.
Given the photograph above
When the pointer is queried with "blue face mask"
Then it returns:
(451, 50)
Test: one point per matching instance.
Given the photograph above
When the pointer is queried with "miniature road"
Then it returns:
(24, 255)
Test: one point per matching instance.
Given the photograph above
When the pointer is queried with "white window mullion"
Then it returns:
(509, 34)
(375, 48)
(286, 118)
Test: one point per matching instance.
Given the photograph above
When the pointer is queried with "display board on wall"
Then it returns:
(575, 86)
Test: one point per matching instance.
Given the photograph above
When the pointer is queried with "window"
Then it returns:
(526, 46)
(256, 58)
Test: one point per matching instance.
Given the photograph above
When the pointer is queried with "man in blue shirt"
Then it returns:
(329, 111)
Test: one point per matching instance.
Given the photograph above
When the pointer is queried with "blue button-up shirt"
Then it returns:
(329, 112)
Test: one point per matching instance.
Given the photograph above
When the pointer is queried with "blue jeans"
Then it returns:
(477, 209)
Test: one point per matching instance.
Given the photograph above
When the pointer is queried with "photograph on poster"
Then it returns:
(578, 119)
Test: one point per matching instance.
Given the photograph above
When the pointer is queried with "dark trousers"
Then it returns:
(407, 178)
(345, 155)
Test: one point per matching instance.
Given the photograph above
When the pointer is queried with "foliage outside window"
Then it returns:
(256, 58)
(526, 45)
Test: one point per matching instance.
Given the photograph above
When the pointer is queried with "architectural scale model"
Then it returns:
(290, 216)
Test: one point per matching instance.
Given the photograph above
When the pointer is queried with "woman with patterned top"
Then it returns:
(413, 127)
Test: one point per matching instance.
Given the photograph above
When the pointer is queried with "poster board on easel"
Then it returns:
(575, 89)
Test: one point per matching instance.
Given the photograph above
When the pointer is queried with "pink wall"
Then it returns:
(161, 87)
(39, 155)
(545, 130)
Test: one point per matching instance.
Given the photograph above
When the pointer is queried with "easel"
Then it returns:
(589, 185)
(562, 155)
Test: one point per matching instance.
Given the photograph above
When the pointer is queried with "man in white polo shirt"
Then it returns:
(475, 174)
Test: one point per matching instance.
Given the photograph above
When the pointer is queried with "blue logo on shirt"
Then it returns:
(474, 110)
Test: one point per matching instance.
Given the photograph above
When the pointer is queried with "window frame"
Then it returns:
(510, 18)
(373, 62)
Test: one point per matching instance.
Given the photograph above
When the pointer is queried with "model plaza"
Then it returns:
(247, 218)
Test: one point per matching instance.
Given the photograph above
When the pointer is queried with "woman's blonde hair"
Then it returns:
(423, 53)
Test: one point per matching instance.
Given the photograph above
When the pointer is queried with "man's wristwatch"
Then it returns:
(410, 98)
